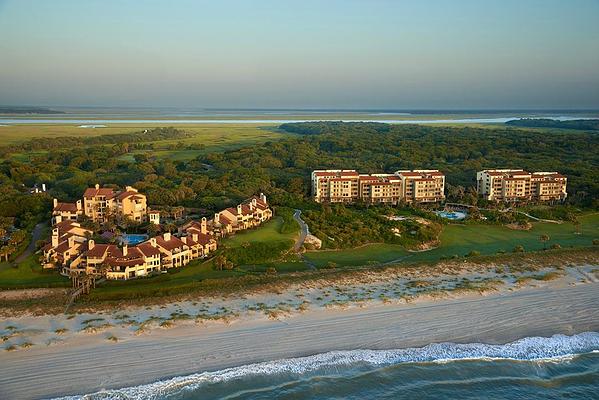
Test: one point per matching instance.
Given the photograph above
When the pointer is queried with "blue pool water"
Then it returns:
(132, 239)
(454, 215)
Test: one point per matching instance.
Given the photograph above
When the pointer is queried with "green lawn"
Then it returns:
(196, 273)
(29, 274)
(267, 232)
(461, 239)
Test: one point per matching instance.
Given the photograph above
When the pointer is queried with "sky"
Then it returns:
(371, 54)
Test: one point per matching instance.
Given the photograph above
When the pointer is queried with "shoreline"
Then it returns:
(190, 347)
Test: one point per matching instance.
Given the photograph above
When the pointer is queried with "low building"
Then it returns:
(154, 217)
(516, 185)
(348, 186)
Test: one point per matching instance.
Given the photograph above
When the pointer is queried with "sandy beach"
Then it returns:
(89, 363)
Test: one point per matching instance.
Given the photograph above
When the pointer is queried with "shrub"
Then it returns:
(518, 249)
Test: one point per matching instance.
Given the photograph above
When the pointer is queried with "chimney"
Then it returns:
(167, 236)
(239, 209)
(79, 207)
(125, 250)
(254, 202)
(97, 186)
(184, 239)
(217, 218)
(71, 241)
(90, 244)
(194, 237)
(54, 237)
(43, 187)
(203, 226)
(153, 242)
(263, 198)
(55, 202)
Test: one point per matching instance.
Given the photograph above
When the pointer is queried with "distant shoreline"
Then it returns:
(262, 120)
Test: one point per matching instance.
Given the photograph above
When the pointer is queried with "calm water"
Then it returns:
(91, 123)
(532, 368)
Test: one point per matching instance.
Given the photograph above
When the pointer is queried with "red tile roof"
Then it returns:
(72, 207)
(93, 192)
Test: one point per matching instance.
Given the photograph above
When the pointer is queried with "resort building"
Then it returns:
(422, 185)
(348, 186)
(101, 203)
(131, 204)
(98, 203)
(66, 211)
(249, 214)
(73, 250)
(516, 185)
(67, 242)
(121, 262)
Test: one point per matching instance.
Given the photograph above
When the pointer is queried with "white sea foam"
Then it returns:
(557, 348)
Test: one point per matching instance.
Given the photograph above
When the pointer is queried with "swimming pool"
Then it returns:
(132, 239)
(453, 215)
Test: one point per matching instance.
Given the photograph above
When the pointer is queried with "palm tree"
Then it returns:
(544, 239)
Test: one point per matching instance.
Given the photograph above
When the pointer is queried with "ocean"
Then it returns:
(531, 368)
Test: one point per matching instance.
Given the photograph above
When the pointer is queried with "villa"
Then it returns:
(73, 250)
(516, 185)
(348, 186)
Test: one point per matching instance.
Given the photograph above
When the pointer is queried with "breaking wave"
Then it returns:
(558, 348)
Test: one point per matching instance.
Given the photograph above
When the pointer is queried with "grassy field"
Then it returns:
(461, 239)
(19, 133)
(192, 275)
(29, 274)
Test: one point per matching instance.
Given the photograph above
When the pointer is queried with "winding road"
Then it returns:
(35, 236)
(304, 231)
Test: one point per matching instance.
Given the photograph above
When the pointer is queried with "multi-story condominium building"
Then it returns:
(67, 242)
(132, 204)
(516, 185)
(336, 185)
(248, 214)
(548, 186)
(347, 186)
(98, 203)
(122, 262)
(422, 185)
(66, 211)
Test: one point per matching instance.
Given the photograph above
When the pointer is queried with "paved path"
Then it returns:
(303, 230)
(35, 236)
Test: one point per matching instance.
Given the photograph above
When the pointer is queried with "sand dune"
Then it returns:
(88, 365)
